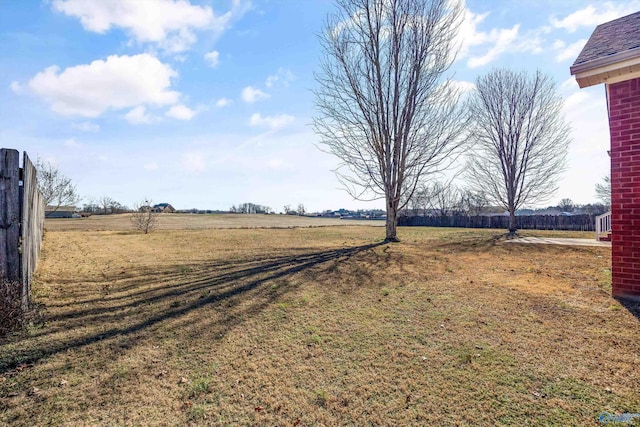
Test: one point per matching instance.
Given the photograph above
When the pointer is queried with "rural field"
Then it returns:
(121, 222)
(209, 322)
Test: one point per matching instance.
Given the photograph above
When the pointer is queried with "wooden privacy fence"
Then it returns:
(21, 222)
(525, 222)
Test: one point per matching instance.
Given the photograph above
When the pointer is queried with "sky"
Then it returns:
(208, 103)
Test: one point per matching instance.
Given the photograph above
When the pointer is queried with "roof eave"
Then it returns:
(604, 61)
(613, 68)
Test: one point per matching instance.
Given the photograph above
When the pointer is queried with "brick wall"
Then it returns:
(624, 125)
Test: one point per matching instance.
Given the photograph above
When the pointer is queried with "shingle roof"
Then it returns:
(611, 38)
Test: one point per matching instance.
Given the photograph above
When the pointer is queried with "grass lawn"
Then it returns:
(319, 326)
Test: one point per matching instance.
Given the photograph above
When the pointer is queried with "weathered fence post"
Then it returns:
(10, 215)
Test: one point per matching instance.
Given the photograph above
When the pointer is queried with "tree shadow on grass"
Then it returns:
(161, 300)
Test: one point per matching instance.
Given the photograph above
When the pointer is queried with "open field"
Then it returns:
(320, 326)
(197, 222)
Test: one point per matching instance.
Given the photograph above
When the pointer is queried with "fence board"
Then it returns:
(33, 208)
(9, 215)
(21, 223)
(525, 222)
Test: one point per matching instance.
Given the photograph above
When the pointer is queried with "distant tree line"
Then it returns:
(288, 210)
(441, 199)
(250, 208)
(105, 205)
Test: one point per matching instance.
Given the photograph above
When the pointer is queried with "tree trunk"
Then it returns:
(392, 224)
(512, 223)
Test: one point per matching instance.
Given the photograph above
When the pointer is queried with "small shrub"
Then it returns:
(143, 217)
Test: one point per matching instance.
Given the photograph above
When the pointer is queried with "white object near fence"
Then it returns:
(603, 225)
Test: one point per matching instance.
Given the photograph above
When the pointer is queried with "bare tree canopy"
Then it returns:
(108, 204)
(57, 190)
(521, 138)
(384, 107)
(472, 202)
(566, 205)
(603, 190)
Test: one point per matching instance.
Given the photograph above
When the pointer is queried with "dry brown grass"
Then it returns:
(319, 326)
(122, 222)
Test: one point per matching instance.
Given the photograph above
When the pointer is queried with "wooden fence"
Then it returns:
(21, 222)
(525, 222)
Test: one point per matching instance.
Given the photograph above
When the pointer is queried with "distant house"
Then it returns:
(60, 212)
(163, 208)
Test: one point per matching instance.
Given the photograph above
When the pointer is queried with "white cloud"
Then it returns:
(86, 127)
(468, 34)
(502, 40)
(483, 47)
(194, 161)
(251, 94)
(591, 15)
(271, 122)
(568, 52)
(223, 102)
(463, 86)
(116, 83)
(138, 116)
(168, 23)
(480, 47)
(151, 166)
(16, 87)
(278, 164)
(283, 76)
(181, 112)
(213, 58)
(569, 85)
(72, 143)
(576, 99)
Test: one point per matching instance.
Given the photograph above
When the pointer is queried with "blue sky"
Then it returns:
(208, 103)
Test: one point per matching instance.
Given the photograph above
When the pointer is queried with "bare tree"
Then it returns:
(566, 205)
(301, 209)
(118, 208)
(472, 202)
(384, 107)
(522, 138)
(419, 201)
(56, 188)
(443, 198)
(603, 190)
(90, 207)
(110, 206)
(143, 217)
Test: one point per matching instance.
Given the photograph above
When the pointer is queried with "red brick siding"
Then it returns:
(624, 125)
